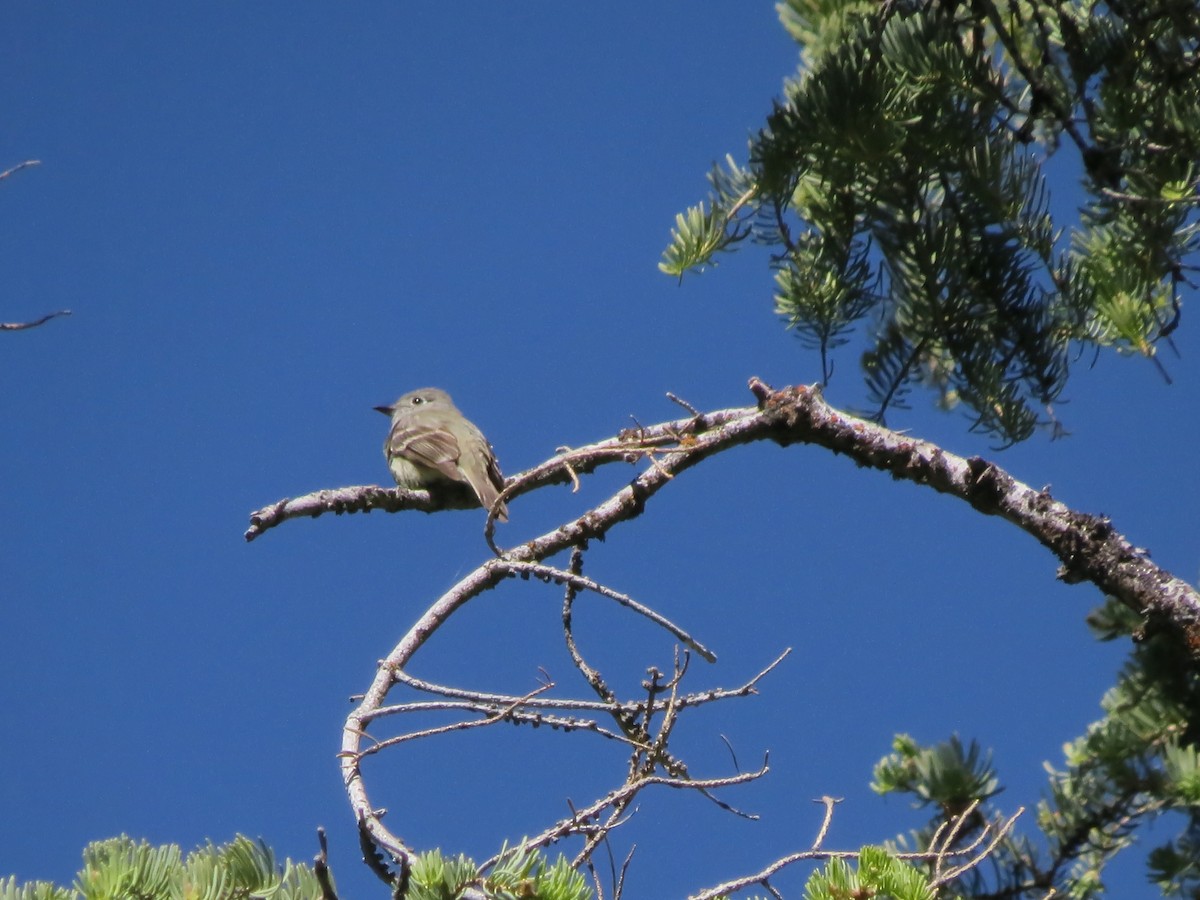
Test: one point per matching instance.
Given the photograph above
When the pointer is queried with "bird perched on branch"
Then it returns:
(432, 443)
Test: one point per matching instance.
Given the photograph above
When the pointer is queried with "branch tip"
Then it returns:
(761, 390)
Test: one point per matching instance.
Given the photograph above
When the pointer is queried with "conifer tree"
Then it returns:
(906, 184)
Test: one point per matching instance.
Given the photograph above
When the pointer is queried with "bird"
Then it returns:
(431, 442)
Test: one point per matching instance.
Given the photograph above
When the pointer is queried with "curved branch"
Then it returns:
(1088, 547)
(21, 326)
(19, 166)
(583, 583)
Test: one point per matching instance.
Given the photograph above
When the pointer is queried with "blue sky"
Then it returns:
(270, 218)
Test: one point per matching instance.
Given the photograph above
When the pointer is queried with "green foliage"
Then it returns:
(34, 890)
(1139, 763)
(946, 774)
(436, 877)
(879, 875)
(526, 873)
(521, 874)
(704, 230)
(121, 869)
(124, 869)
(902, 187)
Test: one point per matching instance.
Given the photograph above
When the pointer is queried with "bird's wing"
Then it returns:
(430, 447)
(494, 473)
(479, 468)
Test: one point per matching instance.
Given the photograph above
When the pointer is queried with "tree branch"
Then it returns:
(1088, 547)
(19, 166)
(21, 326)
(937, 853)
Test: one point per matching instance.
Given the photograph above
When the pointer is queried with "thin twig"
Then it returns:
(943, 845)
(932, 854)
(565, 827)
(695, 412)
(999, 833)
(321, 868)
(580, 582)
(19, 166)
(830, 803)
(21, 326)
(497, 716)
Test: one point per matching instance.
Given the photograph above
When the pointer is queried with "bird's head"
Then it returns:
(418, 399)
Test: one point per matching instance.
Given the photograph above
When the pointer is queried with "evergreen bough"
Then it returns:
(902, 185)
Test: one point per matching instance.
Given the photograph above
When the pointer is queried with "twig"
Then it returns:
(565, 827)
(947, 833)
(591, 675)
(490, 719)
(998, 833)
(21, 326)
(580, 582)
(707, 696)
(19, 166)
(830, 803)
(764, 874)
(620, 888)
(321, 868)
(363, 498)
(565, 724)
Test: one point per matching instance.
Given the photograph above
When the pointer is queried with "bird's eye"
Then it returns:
(417, 401)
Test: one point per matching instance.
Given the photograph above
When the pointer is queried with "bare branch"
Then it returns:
(357, 499)
(826, 821)
(19, 166)
(562, 468)
(580, 582)
(1088, 547)
(997, 833)
(626, 792)
(561, 704)
(935, 853)
(321, 868)
(943, 840)
(565, 724)
(21, 326)
(491, 718)
(684, 404)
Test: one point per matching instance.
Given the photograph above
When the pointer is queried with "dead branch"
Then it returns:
(19, 166)
(937, 852)
(21, 326)
(1087, 546)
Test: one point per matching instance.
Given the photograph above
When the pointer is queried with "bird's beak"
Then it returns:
(386, 410)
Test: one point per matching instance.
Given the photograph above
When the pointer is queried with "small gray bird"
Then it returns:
(432, 443)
